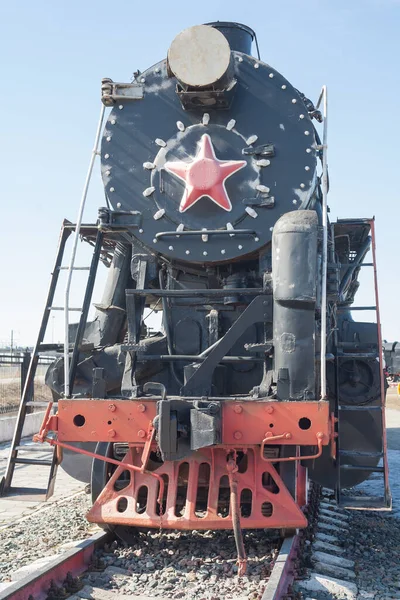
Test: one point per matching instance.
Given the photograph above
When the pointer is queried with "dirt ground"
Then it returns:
(392, 398)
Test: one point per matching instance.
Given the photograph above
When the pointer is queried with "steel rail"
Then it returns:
(74, 561)
(282, 574)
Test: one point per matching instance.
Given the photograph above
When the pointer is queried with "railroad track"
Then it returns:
(90, 571)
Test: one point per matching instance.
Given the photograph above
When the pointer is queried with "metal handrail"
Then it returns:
(95, 152)
(323, 98)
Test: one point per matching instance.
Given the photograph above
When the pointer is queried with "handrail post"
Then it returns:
(324, 97)
(73, 252)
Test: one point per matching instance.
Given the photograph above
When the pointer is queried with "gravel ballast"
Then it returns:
(187, 565)
(42, 533)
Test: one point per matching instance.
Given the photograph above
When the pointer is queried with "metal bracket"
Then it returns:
(199, 380)
(111, 92)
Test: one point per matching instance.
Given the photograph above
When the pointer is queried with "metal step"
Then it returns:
(27, 494)
(32, 461)
(356, 345)
(365, 408)
(365, 502)
(360, 454)
(363, 468)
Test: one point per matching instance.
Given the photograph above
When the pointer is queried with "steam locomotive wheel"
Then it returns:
(101, 474)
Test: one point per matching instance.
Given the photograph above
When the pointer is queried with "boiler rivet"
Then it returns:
(112, 407)
(238, 435)
(269, 409)
(141, 433)
(238, 409)
(111, 433)
(142, 408)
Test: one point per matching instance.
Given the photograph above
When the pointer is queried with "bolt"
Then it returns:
(112, 407)
(269, 409)
(238, 435)
(141, 407)
(283, 87)
(111, 433)
(294, 101)
(119, 205)
(140, 230)
(238, 409)
(141, 433)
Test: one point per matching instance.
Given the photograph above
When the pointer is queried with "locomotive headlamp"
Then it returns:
(200, 57)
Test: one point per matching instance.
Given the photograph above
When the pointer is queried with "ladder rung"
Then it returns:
(39, 404)
(62, 308)
(74, 268)
(49, 347)
(363, 468)
(360, 454)
(365, 408)
(357, 355)
(352, 265)
(355, 345)
(366, 502)
(32, 461)
(356, 308)
(34, 448)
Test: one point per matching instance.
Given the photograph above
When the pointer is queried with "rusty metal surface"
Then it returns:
(271, 503)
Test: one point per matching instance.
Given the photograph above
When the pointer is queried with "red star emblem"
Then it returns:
(205, 175)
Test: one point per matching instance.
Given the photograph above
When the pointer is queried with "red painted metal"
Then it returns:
(205, 175)
(301, 485)
(380, 349)
(287, 436)
(247, 427)
(271, 505)
(86, 420)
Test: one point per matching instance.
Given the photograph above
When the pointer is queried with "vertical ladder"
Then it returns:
(26, 401)
(69, 366)
(344, 457)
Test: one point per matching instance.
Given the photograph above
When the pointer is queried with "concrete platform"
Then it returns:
(32, 476)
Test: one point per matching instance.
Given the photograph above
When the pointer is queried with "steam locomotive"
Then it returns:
(259, 379)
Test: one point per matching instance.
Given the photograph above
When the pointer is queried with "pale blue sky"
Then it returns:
(54, 54)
